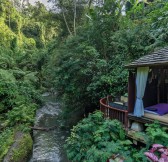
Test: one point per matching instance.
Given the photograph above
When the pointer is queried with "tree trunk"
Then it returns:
(44, 129)
(89, 4)
(66, 22)
(74, 17)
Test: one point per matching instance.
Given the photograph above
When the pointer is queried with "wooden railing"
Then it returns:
(113, 113)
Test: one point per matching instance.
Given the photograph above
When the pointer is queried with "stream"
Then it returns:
(48, 146)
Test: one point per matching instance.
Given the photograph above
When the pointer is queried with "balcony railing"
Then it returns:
(114, 111)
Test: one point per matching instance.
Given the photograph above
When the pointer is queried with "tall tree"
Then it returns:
(71, 12)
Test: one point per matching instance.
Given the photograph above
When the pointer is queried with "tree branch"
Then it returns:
(66, 22)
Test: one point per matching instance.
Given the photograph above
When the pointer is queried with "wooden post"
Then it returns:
(131, 92)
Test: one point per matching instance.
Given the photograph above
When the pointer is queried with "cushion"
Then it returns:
(161, 108)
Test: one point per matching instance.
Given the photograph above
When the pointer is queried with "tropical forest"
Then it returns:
(58, 59)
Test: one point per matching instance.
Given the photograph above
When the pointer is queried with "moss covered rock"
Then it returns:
(20, 149)
(6, 140)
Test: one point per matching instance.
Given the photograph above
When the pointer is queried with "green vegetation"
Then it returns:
(87, 63)
(6, 139)
(15, 146)
(98, 139)
(24, 34)
(80, 49)
(23, 150)
(157, 134)
(25, 26)
(87, 59)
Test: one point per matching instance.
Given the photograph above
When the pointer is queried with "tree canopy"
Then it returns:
(88, 64)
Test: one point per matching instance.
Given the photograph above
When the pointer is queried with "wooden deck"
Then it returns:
(111, 111)
(143, 120)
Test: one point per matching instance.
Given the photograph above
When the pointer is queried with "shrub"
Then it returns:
(157, 134)
(97, 139)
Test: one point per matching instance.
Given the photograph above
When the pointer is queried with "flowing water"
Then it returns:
(48, 146)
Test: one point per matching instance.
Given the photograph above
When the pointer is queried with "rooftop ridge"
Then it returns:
(156, 58)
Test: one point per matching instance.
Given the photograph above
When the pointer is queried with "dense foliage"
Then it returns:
(6, 139)
(24, 32)
(94, 40)
(25, 27)
(89, 64)
(19, 97)
(98, 139)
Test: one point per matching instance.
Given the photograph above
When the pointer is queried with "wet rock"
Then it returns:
(46, 94)
(63, 137)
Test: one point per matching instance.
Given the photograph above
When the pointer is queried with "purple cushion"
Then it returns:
(160, 109)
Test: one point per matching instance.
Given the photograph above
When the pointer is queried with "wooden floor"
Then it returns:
(143, 120)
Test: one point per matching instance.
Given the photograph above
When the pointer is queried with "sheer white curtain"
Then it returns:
(141, 79)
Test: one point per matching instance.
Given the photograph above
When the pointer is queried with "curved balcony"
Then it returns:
(112, 110)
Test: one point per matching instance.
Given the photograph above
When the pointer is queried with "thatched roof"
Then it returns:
(157, 58)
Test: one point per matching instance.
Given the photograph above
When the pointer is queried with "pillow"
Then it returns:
(161, 108)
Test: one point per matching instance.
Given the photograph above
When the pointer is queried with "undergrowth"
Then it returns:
(98, 139)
